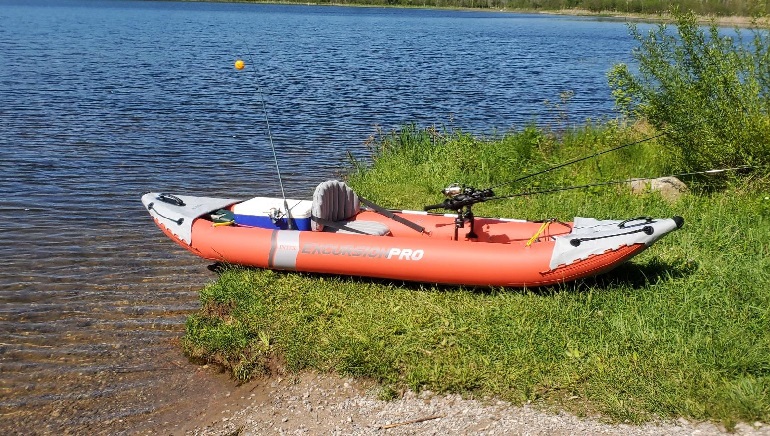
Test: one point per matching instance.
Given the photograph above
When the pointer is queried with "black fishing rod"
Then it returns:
(562, 165)
(463, 197)
(239, 65)
(615, 182)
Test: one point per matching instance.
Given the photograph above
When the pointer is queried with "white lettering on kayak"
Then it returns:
(405, 254)
(363, 251)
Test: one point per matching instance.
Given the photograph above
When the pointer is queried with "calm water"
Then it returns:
(101, 101)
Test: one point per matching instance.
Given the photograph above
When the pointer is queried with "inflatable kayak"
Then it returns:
(337, 232)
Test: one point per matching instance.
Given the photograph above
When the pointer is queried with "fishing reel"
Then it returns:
(460, 199)
(461, 196)
(281, 219)
(275, 215)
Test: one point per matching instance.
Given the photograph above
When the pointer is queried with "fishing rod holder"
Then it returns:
(463, 216)
(460, 199)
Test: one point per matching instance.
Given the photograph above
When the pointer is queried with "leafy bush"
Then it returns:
(708, 89)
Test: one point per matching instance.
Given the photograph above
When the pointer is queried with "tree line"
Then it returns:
(746, 8)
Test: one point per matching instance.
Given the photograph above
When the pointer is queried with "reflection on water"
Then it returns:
(102, 101)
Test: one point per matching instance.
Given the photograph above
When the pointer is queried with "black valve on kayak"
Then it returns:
(461, 199)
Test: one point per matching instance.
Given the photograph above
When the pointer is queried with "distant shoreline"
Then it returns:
(723, 21)
(731, 21)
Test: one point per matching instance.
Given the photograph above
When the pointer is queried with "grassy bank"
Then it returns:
(683, 330)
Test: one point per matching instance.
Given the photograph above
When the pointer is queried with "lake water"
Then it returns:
(101, 101)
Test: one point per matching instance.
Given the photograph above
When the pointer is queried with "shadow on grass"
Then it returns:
(629, 275)
(638, 276)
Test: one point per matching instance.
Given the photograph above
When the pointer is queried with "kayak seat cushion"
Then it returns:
(334, 204)
(360, 227)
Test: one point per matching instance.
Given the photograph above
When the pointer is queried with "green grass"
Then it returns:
(682, 330)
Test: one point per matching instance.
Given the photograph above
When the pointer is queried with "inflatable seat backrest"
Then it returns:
(333, 201)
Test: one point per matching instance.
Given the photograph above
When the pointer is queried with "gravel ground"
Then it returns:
(312, 404)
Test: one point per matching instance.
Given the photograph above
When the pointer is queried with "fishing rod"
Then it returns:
(562, 165)
(239, 65)
(612, 182)
(461, 198)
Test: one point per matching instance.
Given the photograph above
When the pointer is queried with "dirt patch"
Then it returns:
(312, 404)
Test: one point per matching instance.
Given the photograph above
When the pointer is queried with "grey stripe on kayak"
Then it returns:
(284, 248)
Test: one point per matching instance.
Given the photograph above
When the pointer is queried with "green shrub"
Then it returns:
(708, 89)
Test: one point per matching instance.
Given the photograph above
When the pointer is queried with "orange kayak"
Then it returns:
(402, 245)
